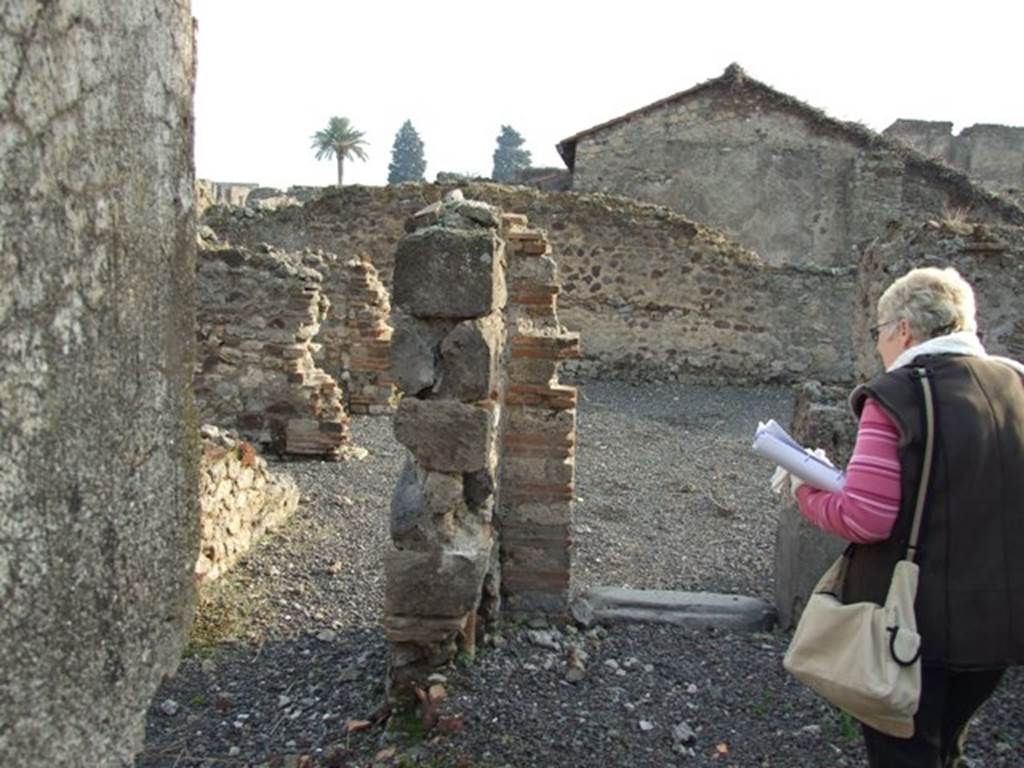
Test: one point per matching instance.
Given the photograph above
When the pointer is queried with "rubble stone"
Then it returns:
(239, 501)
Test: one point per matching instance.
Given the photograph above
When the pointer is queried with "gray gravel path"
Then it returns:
(289, 645)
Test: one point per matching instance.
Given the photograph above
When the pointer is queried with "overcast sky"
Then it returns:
(271, 73)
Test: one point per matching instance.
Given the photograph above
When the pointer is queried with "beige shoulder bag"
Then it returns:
(865, 658)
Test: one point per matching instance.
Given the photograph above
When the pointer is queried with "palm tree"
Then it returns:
(340, 140)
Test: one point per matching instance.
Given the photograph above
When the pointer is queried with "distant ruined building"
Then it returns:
(991, 154)
(781, 177)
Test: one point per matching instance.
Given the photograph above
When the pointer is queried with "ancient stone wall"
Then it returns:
(226, 192)
(355, 337)
(991, 154)
(98, 436)
(795, 188)
(991, 258)
(659, 296)
(239, 500)
(258, 315)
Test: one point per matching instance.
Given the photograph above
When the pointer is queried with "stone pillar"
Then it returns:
(98, 436)
(449, 295)
(539, 436)
(258, 315)
(821, 419)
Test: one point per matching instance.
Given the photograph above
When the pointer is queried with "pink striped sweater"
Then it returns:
(866, 508)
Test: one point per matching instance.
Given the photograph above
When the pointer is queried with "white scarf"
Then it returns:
(959, 343)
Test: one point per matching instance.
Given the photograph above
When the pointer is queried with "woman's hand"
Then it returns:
(781, 477)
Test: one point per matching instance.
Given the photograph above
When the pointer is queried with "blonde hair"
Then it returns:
(933, 301)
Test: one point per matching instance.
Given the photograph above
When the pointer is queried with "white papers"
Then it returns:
(774, 443)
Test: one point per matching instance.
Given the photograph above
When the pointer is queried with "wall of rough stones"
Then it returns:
(239, 501)
(772, 173)
(259, 312)
(98, 436)
(990, 257)
(659, 296)
(992, 154)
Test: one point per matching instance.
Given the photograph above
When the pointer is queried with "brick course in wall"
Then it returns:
(539, 433)
(355, 337)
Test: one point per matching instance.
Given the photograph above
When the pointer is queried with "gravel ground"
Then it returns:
(288, 647)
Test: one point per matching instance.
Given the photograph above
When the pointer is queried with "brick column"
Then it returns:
(539, 436)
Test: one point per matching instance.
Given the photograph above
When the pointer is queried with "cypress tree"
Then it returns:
(509, 157)
(407, 163)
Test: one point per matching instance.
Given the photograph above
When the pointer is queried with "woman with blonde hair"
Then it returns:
(970, 599)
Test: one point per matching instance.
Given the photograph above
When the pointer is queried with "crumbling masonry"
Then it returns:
(258, 315)
(482, 511)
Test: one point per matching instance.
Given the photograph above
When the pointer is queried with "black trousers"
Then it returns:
(948, 701)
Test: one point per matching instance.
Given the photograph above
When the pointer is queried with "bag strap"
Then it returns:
(926, 465)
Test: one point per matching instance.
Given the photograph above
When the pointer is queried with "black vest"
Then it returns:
(970, 602)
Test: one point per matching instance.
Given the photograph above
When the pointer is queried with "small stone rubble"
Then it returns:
(239, 500)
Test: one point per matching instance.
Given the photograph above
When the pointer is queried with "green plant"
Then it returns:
(407, 163)
(407, 722)
(763, 706)
(222, 614)
(848, 728)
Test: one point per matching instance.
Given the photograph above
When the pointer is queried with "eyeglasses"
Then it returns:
(873, 330)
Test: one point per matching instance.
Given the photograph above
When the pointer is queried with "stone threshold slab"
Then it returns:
(688, 609)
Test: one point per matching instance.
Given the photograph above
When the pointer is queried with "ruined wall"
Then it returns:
(794, 188)
(98, 437)
(659, 296)
(258, 315)
(991, 259)
(991, 154)
(355, 337)
(239, 501)
(491, 434)
(225, 192)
